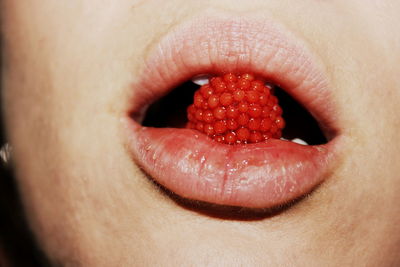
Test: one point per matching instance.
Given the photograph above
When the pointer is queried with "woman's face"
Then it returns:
(74, 71)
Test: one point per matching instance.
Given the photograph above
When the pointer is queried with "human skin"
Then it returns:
(66, 76)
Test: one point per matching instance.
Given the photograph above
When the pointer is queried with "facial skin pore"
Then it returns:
(66, 76)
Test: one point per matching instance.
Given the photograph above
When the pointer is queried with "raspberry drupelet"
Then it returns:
(236, 109)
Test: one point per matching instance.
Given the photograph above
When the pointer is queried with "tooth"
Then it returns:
(201, 79)
(270, 85)
(299, 141)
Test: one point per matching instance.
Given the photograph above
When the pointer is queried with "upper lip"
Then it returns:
(214, 45)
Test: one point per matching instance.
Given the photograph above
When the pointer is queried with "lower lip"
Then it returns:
(261, 175)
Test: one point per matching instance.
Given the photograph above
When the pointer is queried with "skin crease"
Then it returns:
(66, 72)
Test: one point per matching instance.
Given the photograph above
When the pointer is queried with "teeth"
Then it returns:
(201, 79)
(270, 85)
(296, 140)
(299, 141)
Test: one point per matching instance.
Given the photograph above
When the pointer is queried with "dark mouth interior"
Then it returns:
(170, 111)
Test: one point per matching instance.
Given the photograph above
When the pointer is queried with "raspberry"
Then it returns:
(236, 109)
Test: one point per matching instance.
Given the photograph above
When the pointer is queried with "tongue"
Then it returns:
(235, 109)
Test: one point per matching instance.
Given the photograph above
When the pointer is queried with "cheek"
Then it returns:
(367, 83)
(63, 120)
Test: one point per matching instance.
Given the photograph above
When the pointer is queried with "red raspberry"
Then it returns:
(236, 109)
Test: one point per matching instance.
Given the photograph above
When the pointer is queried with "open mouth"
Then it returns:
(300, 126)
(263, 174)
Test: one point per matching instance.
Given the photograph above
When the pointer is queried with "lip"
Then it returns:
(262, 175)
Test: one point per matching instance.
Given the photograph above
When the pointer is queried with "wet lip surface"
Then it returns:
(189, 164)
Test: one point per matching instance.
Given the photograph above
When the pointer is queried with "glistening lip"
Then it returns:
(189, 164)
